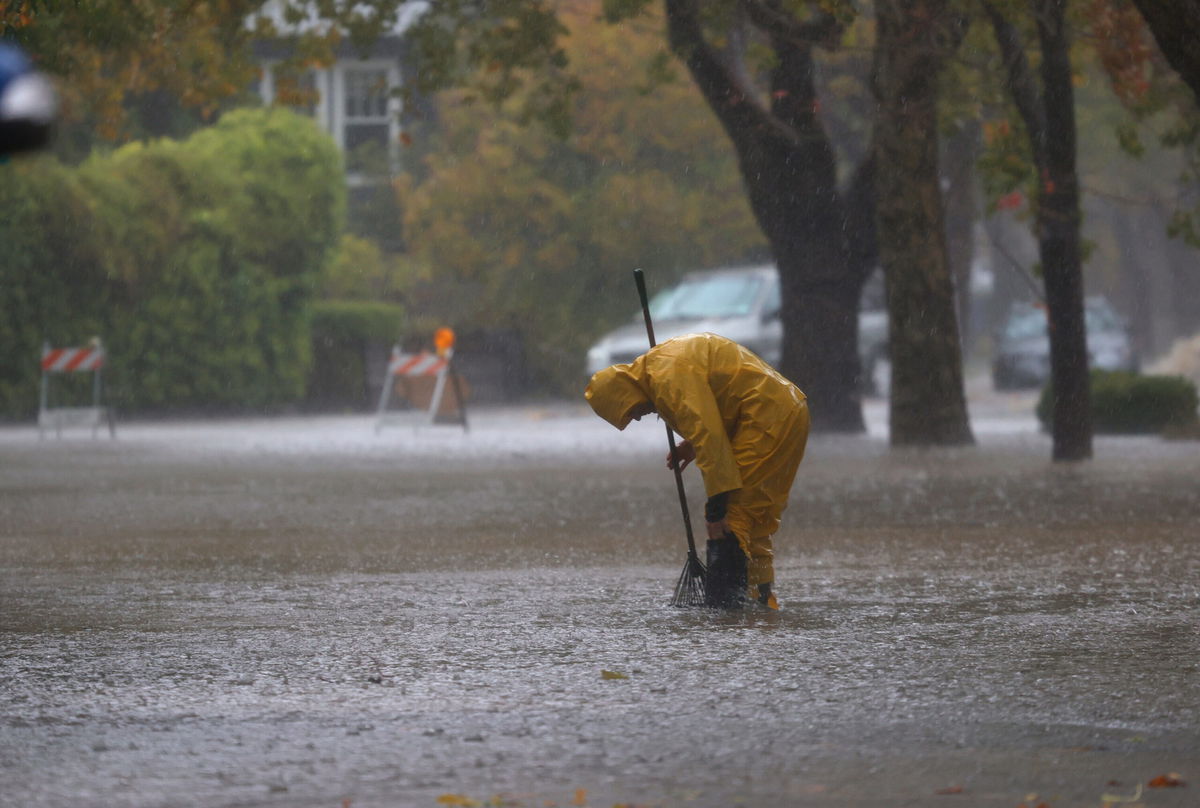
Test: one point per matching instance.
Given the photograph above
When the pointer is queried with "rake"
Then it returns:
(690, 588)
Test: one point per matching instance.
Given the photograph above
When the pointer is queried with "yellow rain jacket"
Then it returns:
(747, 423)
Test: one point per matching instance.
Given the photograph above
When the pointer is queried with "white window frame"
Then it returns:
(321, 110)
(330, 113)
(339, 118)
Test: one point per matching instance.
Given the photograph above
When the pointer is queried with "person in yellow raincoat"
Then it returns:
(743, 424)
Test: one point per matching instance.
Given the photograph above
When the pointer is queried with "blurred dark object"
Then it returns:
(28, 105)
(1022, 359)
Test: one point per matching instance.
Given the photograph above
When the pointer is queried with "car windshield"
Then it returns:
(1030, 323)
(700, 298)
(1026, 324)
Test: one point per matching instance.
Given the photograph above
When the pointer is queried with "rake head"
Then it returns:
(690, 588)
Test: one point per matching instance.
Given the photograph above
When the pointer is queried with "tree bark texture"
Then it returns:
(1176, 28)
(790, 173)
(928, 404)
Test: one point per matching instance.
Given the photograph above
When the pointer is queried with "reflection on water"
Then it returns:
(227, 628)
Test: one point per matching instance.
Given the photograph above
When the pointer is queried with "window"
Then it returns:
(353, 102)
(367, 119)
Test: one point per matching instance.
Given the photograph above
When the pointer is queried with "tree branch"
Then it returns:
(734, 105)
(1021, 81)
(822, 29)
(1176, 29)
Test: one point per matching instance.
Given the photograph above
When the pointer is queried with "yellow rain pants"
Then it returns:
(747, 423)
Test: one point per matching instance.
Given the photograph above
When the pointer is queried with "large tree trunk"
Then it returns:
(928, 405)
(790, 173)
(1058, 222)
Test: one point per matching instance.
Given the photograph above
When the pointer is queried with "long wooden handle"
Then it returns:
(640, 280)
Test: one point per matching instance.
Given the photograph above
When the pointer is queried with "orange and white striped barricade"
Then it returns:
(421, 366)
(88, 359)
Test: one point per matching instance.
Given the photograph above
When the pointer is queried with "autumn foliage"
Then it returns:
(521, 230)
(107, 55)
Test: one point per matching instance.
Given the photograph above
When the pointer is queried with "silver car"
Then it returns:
(740, 303)
(1022, 357)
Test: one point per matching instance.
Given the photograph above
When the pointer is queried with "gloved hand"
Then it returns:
(685, 452)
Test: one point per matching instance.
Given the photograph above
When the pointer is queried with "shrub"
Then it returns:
(345, 334)
(1128, 403)
(196, 261)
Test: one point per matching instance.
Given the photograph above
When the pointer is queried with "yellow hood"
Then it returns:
(614, 392)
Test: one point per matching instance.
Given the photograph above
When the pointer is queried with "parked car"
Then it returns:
(1022, 358)
(741, 304)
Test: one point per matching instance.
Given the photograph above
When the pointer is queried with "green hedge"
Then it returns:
(196, 261)
(344, 334)
(1128, 403)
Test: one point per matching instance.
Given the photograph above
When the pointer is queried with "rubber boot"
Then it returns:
(725, 587)
(767, 598)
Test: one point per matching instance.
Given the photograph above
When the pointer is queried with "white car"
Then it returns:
(740, 303)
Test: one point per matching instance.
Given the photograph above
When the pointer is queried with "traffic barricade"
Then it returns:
(88, 359)
(432, 391)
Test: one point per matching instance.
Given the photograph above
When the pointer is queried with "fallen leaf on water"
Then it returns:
(459, 800)
(580, 797)
(612, 675)
(950, 790)
(1166, 781)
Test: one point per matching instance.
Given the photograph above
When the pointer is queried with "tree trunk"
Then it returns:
(1058, 223)
(1049, 117)
(789, 169)
(1176, 28)
(928, 405)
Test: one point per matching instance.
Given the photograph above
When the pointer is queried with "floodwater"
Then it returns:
(301, 612)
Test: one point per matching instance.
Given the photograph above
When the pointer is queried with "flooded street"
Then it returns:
(301, 612)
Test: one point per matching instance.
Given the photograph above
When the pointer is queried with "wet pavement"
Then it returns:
(302, 612)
